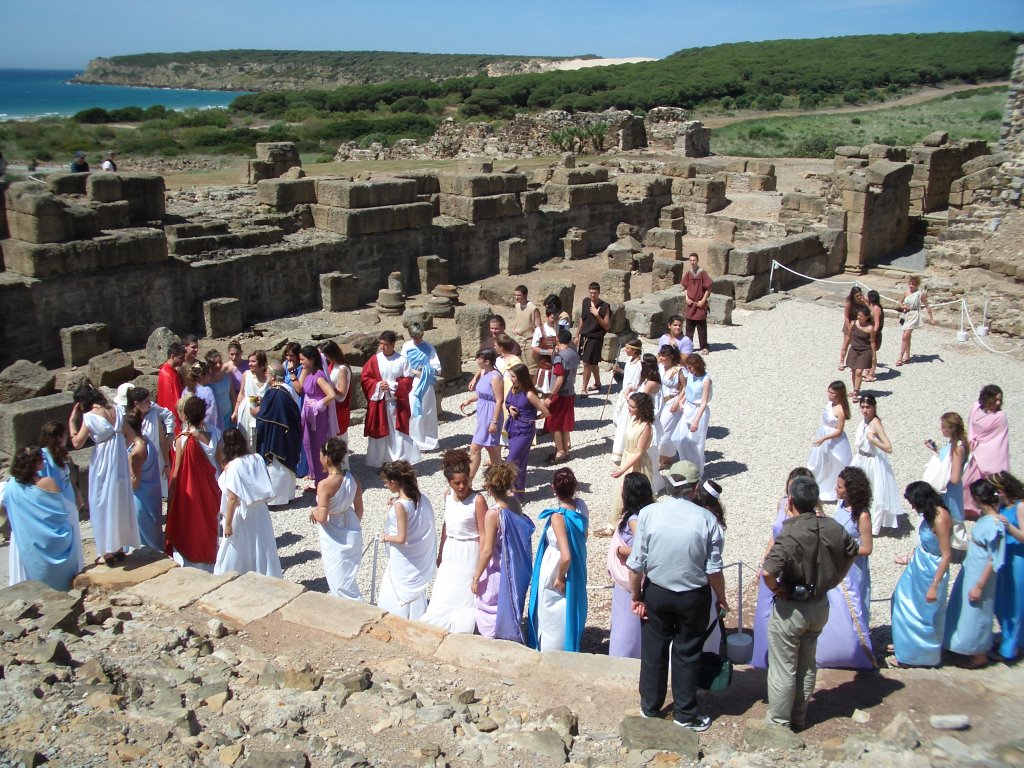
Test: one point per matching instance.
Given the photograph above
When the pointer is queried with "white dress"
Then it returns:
(544, 377)
(423, 429)
(246, 421)
(690, 445)
(668, 420)
(551, 602)
(397, 445)
(452, 604)
(15, 570)
(252, 546)
(111, 503)
(341, 542)
(620, 414)
(411, 566)
(885, 493)
(831, 457)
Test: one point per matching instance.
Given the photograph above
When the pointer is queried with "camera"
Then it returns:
(801, 592)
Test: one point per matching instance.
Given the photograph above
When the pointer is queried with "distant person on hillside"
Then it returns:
(110, 164)
(79, 164)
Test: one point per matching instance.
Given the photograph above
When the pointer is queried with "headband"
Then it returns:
(711, 491)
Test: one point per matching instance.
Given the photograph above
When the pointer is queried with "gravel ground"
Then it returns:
(771, 371)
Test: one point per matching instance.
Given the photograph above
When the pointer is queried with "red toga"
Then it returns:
(376, 424)
(193, 509)
(169, 387)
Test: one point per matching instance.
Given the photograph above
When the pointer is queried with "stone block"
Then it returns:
(250, 597)
(368, 221)
(471, 324)
(24, 379)
(145, 195)
(935, 139)
(481, 185)
(180, 587)
(886, 172)
(589, 174)
(512, 256)
(749, 261)
(647, 733)
(339, 291)
(20, 422)
(254, 171)
(610, 347)
(617, 320)
(643, 262)
(565, 290)
(615, 285)
(116, 215)
(285, 194)
(574, 245)
(625, 229)
(665, 273)
(749, 287)
(620, 257)
(642, 185)
(574, 196)
(103, 187)
(478, 652)
(36, 216)
(67, 183)
(111, 368)
(123, 247)
(723, 286)
(159, 342)
(449, 352)
(533, 200)
(680, 170)
(222, 316)
(480, 208)
(433, 272)
(666, 239)
(365, 194)
(146, 564)
(417, 315)
(281, 155)
(645, 318)
(591, 670)
(336, 616)
(720, 309)
(423, 639)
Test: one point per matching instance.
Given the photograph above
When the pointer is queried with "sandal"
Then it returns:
(899, 362)
(856, 396)
(842, 366)
(107, 560)
(605, 533)
(119, 556)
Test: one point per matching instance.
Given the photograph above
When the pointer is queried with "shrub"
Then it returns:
(992, 115)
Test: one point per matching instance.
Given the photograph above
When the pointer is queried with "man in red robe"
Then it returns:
(169, 384)
(387, 381)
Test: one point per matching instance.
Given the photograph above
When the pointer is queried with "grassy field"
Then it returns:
(966, 115)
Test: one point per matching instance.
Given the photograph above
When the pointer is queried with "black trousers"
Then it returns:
(677, 620)
(701, 326)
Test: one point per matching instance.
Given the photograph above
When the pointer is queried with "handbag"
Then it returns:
(936, 472)
(959, 541)
(715, 672)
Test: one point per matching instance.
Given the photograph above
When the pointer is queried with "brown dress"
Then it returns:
(858, 356)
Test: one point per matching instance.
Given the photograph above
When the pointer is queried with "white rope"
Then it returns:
(979, 339)
(817, 279)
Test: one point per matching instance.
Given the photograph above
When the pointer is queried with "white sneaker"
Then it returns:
(699, 724)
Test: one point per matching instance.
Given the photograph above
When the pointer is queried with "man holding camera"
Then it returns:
(810, 556)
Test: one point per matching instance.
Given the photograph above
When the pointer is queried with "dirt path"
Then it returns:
(918, 97)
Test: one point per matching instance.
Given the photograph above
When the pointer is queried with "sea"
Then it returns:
(32, 93)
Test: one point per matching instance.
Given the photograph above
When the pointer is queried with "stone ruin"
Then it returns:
(663, 128)
(274, 159)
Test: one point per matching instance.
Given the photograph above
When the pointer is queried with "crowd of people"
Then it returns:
(224, 441)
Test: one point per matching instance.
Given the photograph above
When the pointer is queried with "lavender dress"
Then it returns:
(506, 579)
(520, 435)
(317, 428)
(624, 639)
(485, 408)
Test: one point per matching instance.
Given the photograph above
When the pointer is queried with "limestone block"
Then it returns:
(645, 318)
(983, 162)
(180, 587)
(449, 352)
(433, 272)
(419, 637)
(720, 309)
(365, 194)
(282, 155)
(617, 317)
(159, 342)
(368, 221)
(625, 229)
(666, 239)
(111, 368)
(222, 316)
(484, 653)
(762, 183)
(249, 597)
(574, 196)
(116, 215)
(615, 285)
(339, 291)
(24, 379)
(254, 171)
(20, 422)
(103, 187)
(574, 245)
(643, 262)
(590, 174)
(80, 343)
(336, 616)
(718, 258)
(481, 185)
(84, 222)
(533, 200)
(67, 183)
(476, 166)
(751, 260)
(36, 216)
(641, 185)
(665, 273)
(680, 170)
(591, 670)
(480, 208)
(935, 139)
(610, 347)
(619, 257)
(512, 256)
(417, 315)
(471, 323)
(565, 290)
(146, 564)
(145, 195)
(748, 288)
(285, 194)
(724, 286)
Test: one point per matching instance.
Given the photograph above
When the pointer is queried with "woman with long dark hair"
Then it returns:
(489, 395)
(319, 418)
(524, 406)
(341, 379)
(692, 431)
(144, 469)
(989, 438)
(624, 638)
(637, 452)
(871, 453)
(339, 515)
(831, 451)
(854, 300)
(53, 440)
(412, 543)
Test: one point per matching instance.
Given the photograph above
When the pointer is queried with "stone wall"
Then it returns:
(1011, 139)
(273, 160)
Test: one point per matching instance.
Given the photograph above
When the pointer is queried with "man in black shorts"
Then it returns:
(595, 319)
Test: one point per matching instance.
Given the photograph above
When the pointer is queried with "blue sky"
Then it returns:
(60, 34)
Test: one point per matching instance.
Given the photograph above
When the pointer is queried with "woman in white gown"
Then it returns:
(831, 453)
(254, 385)
(409, 530)
(648, 382)
(247, 540)
(692, 430)
(339, 514)
(111, 503)
(452, 602)
(672, 381)
(871, 453)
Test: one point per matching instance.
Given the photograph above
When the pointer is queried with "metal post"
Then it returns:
(373, 572)
(771, 276)
(739, 625)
